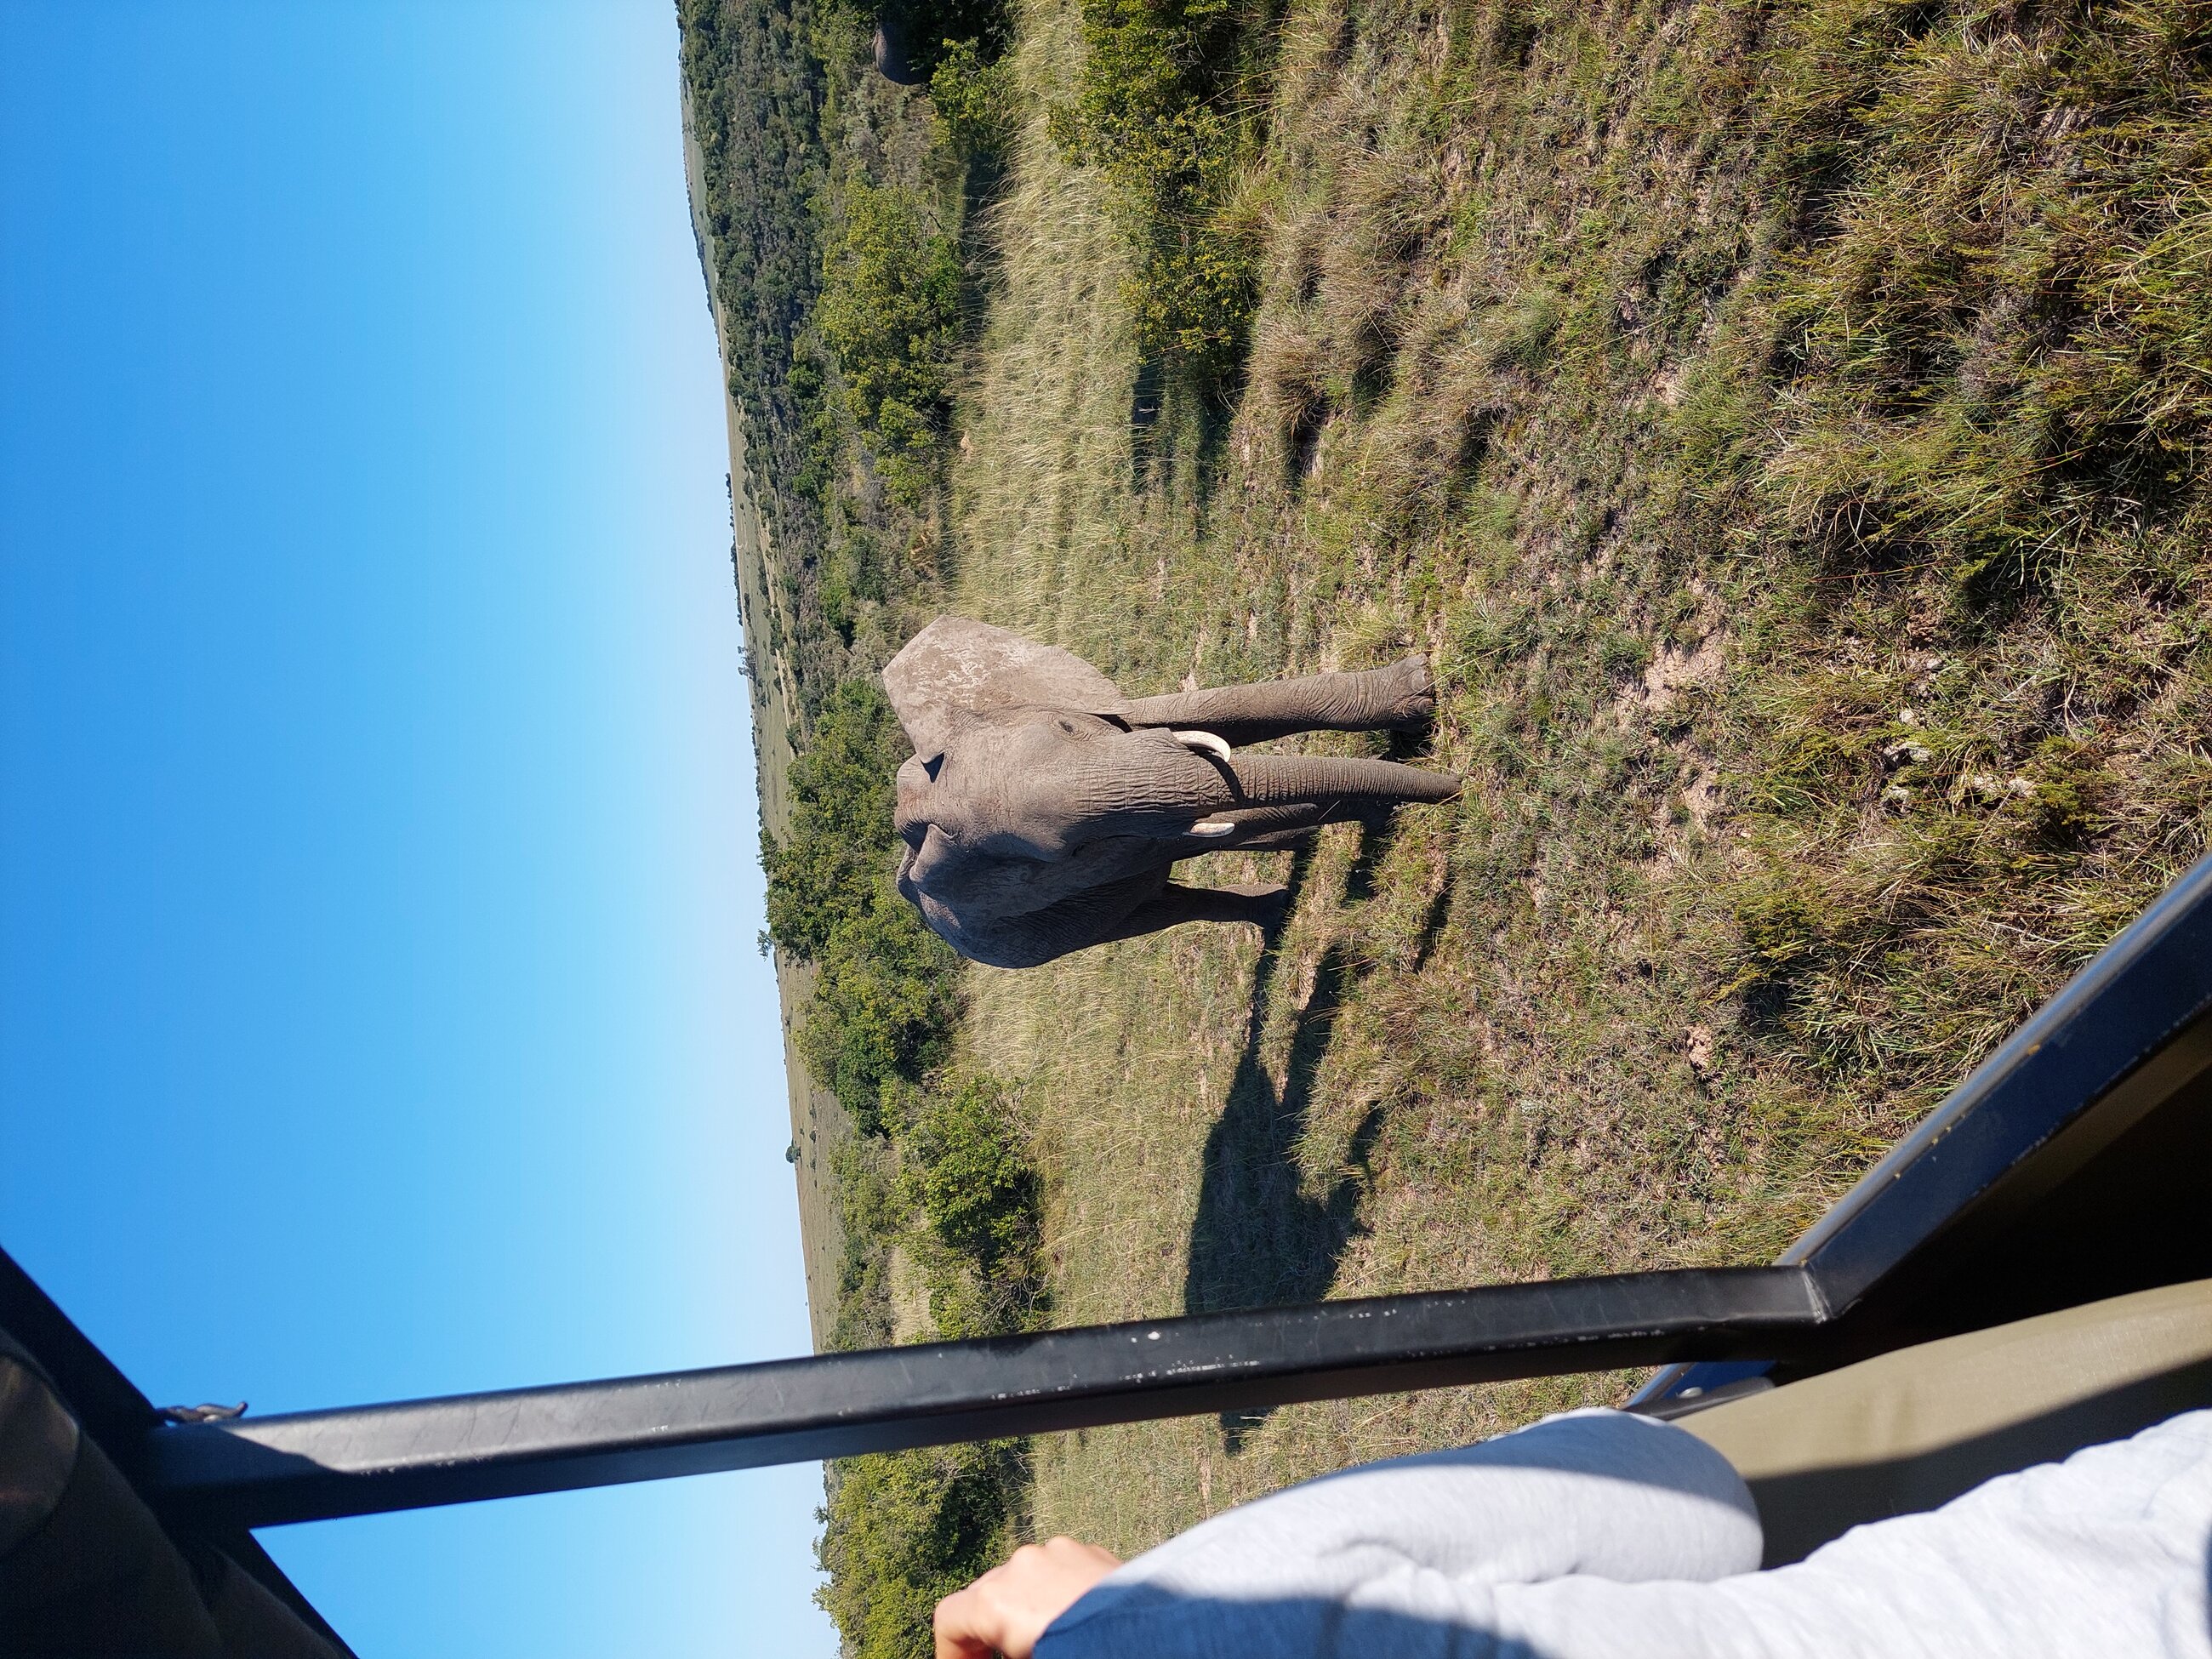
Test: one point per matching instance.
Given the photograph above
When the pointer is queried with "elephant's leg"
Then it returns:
(1121, 911)
(1260, 903)
(1371, 700)
(1033, 938)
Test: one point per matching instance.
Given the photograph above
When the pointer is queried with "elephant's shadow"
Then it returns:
(1261, 1238)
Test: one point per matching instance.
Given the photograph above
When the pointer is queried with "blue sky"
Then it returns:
(379, 1009)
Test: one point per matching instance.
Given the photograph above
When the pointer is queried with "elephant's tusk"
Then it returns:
(1209, 742)
(1211, 827)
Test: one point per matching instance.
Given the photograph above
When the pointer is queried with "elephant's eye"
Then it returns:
(1068, 726)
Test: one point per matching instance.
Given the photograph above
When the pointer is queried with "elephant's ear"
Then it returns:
(955, 668)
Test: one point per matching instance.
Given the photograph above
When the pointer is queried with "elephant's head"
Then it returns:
(1040, 784)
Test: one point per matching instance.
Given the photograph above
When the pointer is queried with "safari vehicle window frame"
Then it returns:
(2014, 1197)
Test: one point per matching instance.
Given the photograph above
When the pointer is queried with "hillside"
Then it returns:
(1784, 424)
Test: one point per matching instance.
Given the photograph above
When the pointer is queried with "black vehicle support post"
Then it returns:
(122, 1422)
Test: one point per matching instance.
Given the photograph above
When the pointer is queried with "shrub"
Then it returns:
(889, 314)
(1152, 112)
(948, 1181)
(974, 96)
(882, 1008)
(975, 1186)
(852, 576)
(885, 1001)
(937, 31)
(967, 1174)
(843, 791)
(902, 1529)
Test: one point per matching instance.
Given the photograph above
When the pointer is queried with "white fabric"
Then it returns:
(1600, 1535)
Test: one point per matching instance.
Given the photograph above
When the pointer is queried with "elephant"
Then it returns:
(1042, 811)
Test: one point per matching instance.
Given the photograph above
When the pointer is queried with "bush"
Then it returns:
(843, 788)
(885, 1002)
(889, 314)
(974, 97)
(902, 1529)
(973, 1184)
(882, 1008)
(969, 1176)
(1152, 112)
(852, 576)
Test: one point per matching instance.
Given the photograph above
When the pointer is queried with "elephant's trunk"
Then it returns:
(1173, 790)
(1146, 784)
(1286, 780)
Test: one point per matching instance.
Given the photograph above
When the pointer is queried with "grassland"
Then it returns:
(1784, 426)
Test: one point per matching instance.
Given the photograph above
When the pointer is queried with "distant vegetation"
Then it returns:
(836, 206)
(838, 268)
(891, 317)
(1784, 424)
(755, 89)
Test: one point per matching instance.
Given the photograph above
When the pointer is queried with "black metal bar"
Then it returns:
(2132, 1005)
(316, 1464)
(2127, 1026)
(2124, 1038)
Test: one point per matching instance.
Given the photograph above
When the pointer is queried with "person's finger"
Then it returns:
(955, 1627)
(1008, 1608)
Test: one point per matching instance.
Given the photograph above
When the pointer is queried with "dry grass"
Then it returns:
(1773, 826)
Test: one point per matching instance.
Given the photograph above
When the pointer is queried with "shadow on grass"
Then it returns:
(1146, 396)
(1260, 1236)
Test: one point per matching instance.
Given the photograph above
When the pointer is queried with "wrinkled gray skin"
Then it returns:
(1042, 809)
(894, 61)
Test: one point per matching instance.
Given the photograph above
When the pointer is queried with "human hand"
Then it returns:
(1009, 1606)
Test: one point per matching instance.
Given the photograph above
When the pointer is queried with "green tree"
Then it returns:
(889, 314)
(838, 861)
(902, 1529)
